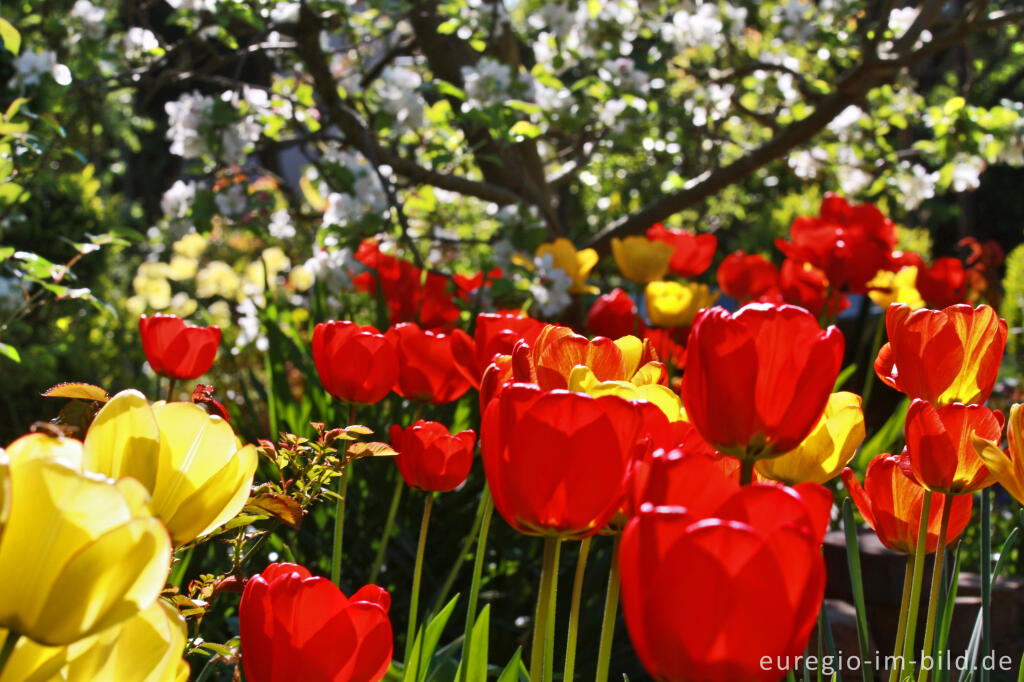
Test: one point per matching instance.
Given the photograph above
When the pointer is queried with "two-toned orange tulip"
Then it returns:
(890, 502)
(1007, 467)
(942, 356)
(942, 457)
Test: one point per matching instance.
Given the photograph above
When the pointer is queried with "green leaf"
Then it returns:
(843, 376)
(426, 643)
(515, 671)
(10, 352)
(10, 36)
(477, 663)
(524, 130)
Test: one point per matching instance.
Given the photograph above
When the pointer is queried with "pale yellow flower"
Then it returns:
(641, 259)
(182, 268)
(576, 264)
(217, 278)
(191, 245)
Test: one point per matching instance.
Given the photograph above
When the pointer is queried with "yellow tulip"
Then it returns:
(896, 287)
(147, 647)
(79, 552)
(577, 264)
(829, 447)
(1007, 467)
(671, 304)
(192, 463)
(582, 380)
(641, 259)
(33, 662)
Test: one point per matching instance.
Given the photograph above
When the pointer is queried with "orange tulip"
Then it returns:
(942, 457)
(942, 356)
(1007, 467)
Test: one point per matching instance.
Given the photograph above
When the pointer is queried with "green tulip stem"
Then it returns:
(908, 579)
(910, 635)
(339, 525)
(933, 598)
(487, 504)
(746, 471)
(171, 385)
(542, 651)
(574, 611)
(417, 574)
(611, 607)
(869, 376)
(389, 524)
(9, 643)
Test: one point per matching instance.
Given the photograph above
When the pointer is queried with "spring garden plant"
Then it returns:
(636, 276)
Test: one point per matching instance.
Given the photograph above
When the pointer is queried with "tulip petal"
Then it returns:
(124, 440)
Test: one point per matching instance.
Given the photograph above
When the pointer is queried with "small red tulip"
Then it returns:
(427, 370)
(757, 381)
(430, 458)
(692, 253)
(614, 315)
(943, 283)
(557, 461)
(804, 285)
(299, 628)
(716, 578)
(176, 349)
(495, 334)
(942, 457)
(747, 277)
(942, 356)
(356, 363)
(891, 501)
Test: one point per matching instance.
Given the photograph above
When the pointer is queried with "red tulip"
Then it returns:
(943, 283)
(747, 277)
(942, 457)
(356, 363)
(178, 350)
(430, 458)
(850, 244)
(298, 628)
(614, 315)
(717, 578)
(495, 334)
(945, 356)
(891, 501)
(757, 381)
(806, 286)
(669, 344)
(692, 252)
(556, 461)
(427, 370)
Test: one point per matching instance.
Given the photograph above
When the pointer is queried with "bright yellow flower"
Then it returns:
(301, 278)
(182, 268)
(5, 490)
(671, 304)
(641, 259)
(582, 380)
(1007, 467)
(577, 264)
(217, 278)
(79, 553)
(896, 287)
(147, 647)
(191, 462)
(220, 314)
(33, 662)
(150, 283)
(275, 260)
(829, 447)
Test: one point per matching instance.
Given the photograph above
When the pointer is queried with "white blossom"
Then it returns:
(915, 184)
(281, 225)
(397, 88)
(178, 199)
(138, 42)
(185, 117)
(93, 18)
(335, 268)
(32, 65)
(232, 201)
(486, 83)
(550, 286)
(194, 5)
(967, 171)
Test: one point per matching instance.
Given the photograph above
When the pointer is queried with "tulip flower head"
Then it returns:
(640, 259)
(614, 315)
(942, 356)
(191, 462)
(943, 283)
(178, 350)
(890, 502)
(556, 461)
(671, 304)
(427, 369)
(828, 448)
(747, 277)
(691, 253)
(758, 381)
(896, 287)
(33, 661)
(495, 334)
(431, 458)
(356, 363)
(79, 553)
(298, 628)
(576, 264)
(1007, 467)
(716, 577)
(942, 457)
